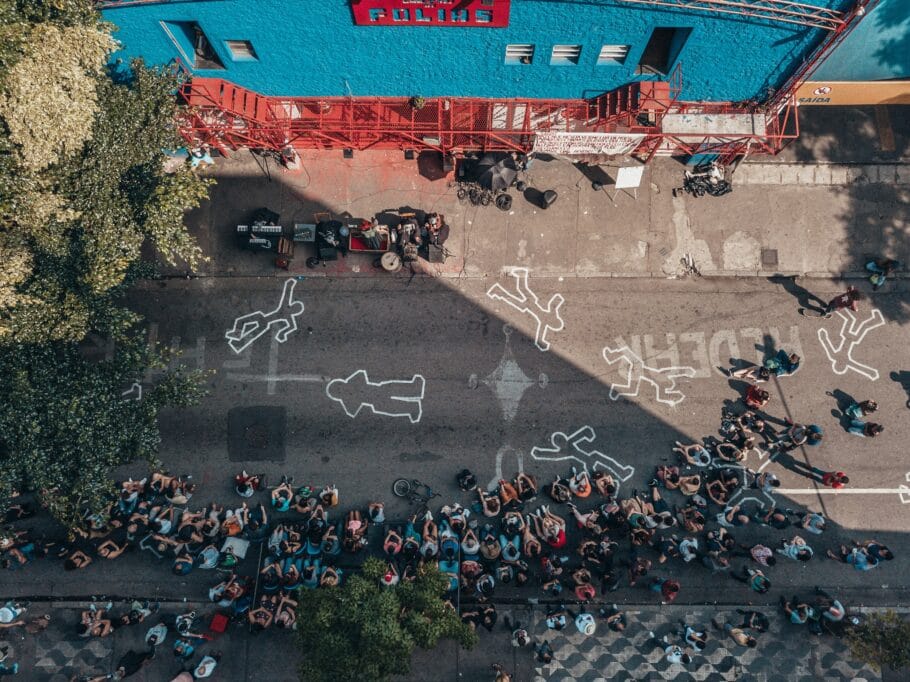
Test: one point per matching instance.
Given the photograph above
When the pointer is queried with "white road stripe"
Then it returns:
(314, 378)
(842, 491)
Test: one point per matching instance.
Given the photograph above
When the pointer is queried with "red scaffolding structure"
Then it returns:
(223, 115)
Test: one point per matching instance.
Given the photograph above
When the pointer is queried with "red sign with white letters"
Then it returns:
(473, 13)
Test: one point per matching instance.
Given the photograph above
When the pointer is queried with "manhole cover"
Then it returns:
(256, 433)
(257, 436)
(769, 258)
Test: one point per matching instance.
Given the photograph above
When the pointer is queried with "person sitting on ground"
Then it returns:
(75, 560)
(550, 527)
(331, 577)
(283, 494)
(692, 518)
(328, 497)
(857, 410)
(738, 635)
(876, 549)
(235, 521)
(466, 480)
(718, 491)
(560, 491)
(774, 517)
(586, 521)
(751, 373)
(814, 522)
(615, 619)
(733, 517)
(856, 557)
(865, 429)
(526, 485)
(261, 617)
(580, 483)
(728, 452)
(796, 549)
(245, 484)
(529, 541)
(429, 547)
(754, 578)
(756, 397)
(543, 652)
(489, 502)
(94, 624)
(798, 612)
(783, 364)
(754, 620)
(697, 639)
(470, 546)
(584, 590)
(508, 495)
(286, 613)
(393, 542)
(694, 454)
(671, 479)
(605, 484)
(831, 609)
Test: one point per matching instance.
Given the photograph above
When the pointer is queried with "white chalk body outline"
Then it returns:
(416, 380)
(250, 327)
(135, 389)
(638, 371)
(855, 330)
(523, 299)
(599, 460)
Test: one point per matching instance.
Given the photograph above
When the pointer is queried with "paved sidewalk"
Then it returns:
(806, 213)
(785, 652)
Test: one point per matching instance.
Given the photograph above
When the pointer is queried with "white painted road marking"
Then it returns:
(247, 328)
(841, 356)
(526, 301)
(842, 491)
(250, 378)
(388, 395)
(558, 452)
(508, 382)
(663, 380)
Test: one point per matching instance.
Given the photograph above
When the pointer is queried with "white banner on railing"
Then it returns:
(585, 143)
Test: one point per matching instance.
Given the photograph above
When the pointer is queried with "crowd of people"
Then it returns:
(577, 539)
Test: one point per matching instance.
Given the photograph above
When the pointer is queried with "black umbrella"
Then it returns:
(495, 173)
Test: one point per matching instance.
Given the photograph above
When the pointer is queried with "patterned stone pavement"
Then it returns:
(785, 653)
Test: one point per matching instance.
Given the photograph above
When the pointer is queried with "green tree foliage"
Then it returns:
(366, 632)
(82, 189)
(882, 640)
(64, 422)
(82, 184)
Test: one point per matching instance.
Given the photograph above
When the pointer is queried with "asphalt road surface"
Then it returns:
(373, 379)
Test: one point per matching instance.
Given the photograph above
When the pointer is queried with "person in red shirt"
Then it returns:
(835, 479)
(756, 397)
(848, 299)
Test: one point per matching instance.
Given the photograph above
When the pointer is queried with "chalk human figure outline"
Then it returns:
(663, 379)
(250, 327)
(134, 392)
(559, 451)
(526, 301)
(841, 356)
(400, 404)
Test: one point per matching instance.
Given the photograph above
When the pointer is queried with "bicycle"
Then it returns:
(410, 489)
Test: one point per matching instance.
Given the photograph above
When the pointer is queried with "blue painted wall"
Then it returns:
(877, 49)
(313, 48)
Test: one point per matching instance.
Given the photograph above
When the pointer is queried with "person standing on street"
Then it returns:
(848, 299)
(835, 479)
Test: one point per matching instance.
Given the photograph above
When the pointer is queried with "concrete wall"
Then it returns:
(877, 49)
(312, 47)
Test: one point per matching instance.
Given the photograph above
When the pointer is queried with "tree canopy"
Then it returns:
(83, 188)
(882, 640)
(82, 180)
(367, 632)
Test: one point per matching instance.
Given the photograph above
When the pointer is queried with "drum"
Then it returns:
(391, 261)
